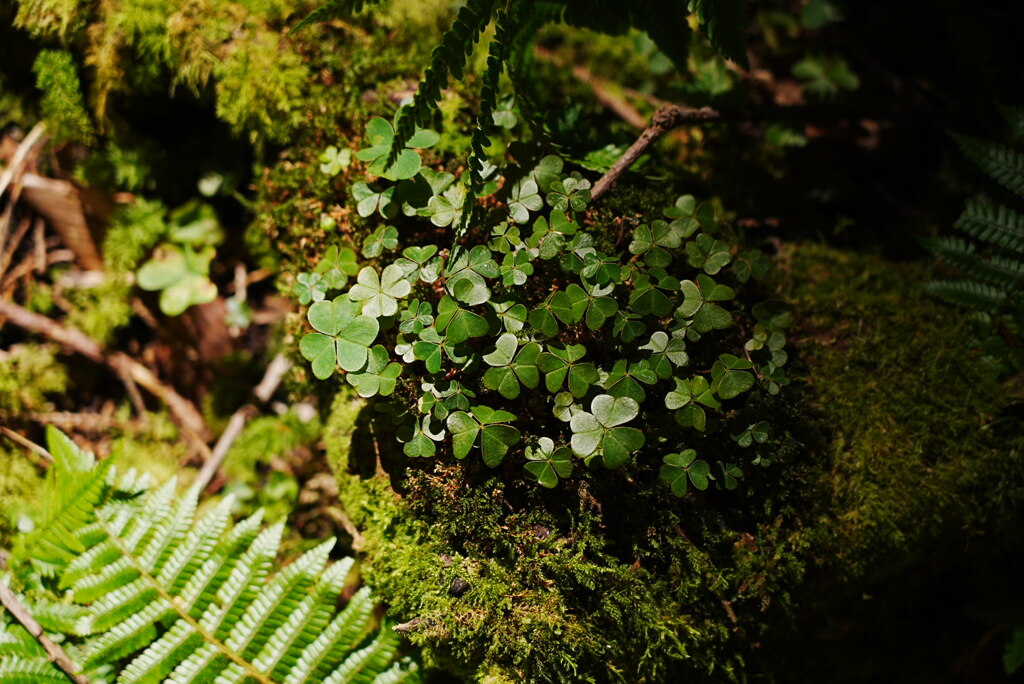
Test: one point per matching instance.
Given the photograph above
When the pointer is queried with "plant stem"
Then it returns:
(54, 652)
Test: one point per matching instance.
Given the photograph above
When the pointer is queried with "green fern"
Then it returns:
(992, 256)
(135, 582)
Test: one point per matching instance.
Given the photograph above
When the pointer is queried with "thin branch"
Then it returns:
(665, 119)
(12, 175)
(263, 391)
(27, 443)
(54, 652)
(181, 408)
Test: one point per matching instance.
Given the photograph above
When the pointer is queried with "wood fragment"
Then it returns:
(54, 652)
(665, 119)
(27, 443)
(181, 409)
(58, 201)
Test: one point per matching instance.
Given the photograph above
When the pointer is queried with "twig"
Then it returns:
(341, 517)
(604, 94)
(13, 172)
(12, 246)
(87, 422)
(182, 410)
(54, 652)
(665, 119)
(263, 391)
(26, 442)
(414, 625)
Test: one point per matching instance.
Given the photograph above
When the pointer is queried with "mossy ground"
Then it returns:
(898, 452)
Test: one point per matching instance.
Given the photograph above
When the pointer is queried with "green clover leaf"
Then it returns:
(380, 295)
(182, 276)
(708, 253)
(310, 287)
(336, 266)
(523, 199)
(512, 316)
(697, 308)
(572, 193)
(516, 268)
(680, 468)
(385, 237)
(379, 375)
(511, 368)
(547, 464)
(333, 161)
(600, 431)
(421, 443)
(486, 426)
(467, 274)
(751, 264)
(369, 201)
(380, 134)
(666, 353)
(729, 376)
(686, 398)
(560, 365)
(342, 336)
(457, 323)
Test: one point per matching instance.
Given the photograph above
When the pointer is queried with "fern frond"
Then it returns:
(1000, 272)
(1014, 116)
(993, 223)
(449, 57)
(333, 9)
(17, 670)
(1004, 164)
(967, 293)
(186, 599)
(724, 22)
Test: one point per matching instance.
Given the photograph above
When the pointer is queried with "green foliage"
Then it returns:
(528, 325)
(62, 105)
(27, 374)
(993, 258)
(180, 267)
(135, 583)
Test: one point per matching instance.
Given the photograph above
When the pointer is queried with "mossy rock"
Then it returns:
(498, 580)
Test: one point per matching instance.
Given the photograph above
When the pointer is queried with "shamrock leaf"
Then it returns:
(342, 336)
(512, 316)
(378, 377)
(547, 464)
(708, 253)
(543, 320)
(516, 268)
(457, 323)
(505, 238)
(467, 274)
(333, 160)
(683, 467)
(549, 238)
(414, 318)
(627, 326)
(647, 296)
(729, 376)
(446, 209)
(380, 134)
(421, 443)
(572, 193)
(666, 353)
(428, 349)
(758, 432)
(686, 399)
(385, 237)
(310, 287)
(380, 295)
(599, 431)
(483, 425)
(511, 368)
(688, 216)
(751, 264)
(653, 242)
(625, 379)
(730, 474)
(182, 275)
(697, 306)
(547, 171)
(523, 199)
(561, 364)
(565, 407)
(336, 266)
(368, 201)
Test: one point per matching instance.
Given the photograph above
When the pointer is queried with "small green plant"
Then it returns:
(540, 318)
(992, 258)
(180, 267)
(138, 587)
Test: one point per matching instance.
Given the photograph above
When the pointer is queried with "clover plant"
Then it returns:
(540, 339)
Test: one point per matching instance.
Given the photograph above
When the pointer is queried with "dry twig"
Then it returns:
(54, 652)
(665, 119)
(182, 410)
(27, 443)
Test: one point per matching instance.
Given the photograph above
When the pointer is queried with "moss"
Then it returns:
(19, 482)
(62, 103)
(100, 311)
(134, 230)
(28, 373)
(915, 451)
